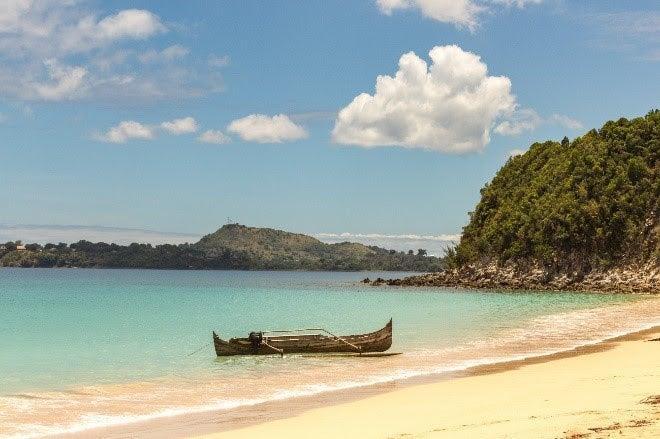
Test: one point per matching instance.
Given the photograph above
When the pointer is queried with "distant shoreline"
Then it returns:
(264, 270)
(233, 246)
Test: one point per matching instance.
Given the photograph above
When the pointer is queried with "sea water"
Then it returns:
(86, 348)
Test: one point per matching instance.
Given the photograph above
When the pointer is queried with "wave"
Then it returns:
(537, 337)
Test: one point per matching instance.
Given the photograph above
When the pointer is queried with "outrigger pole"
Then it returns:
(336, 337)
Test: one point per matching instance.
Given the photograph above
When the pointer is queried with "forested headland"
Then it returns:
(577, 214)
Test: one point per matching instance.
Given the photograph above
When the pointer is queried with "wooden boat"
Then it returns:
(314, 341)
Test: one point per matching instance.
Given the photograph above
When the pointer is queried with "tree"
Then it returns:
(421, 252)
(573, 205)
(277, 251)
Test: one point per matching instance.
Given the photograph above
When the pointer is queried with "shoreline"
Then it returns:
(632, 279)
(259, 415)
(607, 390)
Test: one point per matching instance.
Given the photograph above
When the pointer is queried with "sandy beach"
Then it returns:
(609, 390)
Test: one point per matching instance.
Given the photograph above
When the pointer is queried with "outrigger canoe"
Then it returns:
(306, 341)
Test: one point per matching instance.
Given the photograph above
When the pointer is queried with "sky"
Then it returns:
(375, 120)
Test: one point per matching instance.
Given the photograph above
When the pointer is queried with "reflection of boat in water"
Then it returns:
(306, 341)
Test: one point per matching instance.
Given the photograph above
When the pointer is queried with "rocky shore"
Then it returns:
(642, 278)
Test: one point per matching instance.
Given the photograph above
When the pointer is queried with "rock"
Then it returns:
(378, 281)
(629, 279)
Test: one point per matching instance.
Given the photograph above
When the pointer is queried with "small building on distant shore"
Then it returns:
(20, 248)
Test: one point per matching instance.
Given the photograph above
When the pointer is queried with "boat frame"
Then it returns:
(304, 341)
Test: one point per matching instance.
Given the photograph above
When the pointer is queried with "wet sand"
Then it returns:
(588, 392)
(608, 390)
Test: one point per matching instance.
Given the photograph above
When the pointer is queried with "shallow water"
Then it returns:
(85, 348)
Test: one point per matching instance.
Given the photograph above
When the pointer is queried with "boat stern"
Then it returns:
(224, 348)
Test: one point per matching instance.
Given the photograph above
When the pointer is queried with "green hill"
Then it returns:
(233, 246)
(587, 204)
(265, 248)
(580, 215)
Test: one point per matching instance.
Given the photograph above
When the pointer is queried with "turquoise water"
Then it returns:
(114, 345)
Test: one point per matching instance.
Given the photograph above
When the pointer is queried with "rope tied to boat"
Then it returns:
(204, 346)
(279, 351)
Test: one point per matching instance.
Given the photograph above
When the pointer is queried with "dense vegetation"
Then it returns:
(232, 247)
(586, 204)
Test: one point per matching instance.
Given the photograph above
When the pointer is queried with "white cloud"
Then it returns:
(411, 236)
(129, 23)
(521, 120)
(462, 13)
(170, 53)
(517, 3)
(11, 12)
(73, 33)
(313, 115)
(185, 125)
(630, 22)
(58, 28)
(634, 31)
(67, 82)
(434, 244)
(526, 119)
(449, 106)
(213, 136)
(218, 61)
(87, 33)
(516, 152)
(127, 130)
(266, 129)
(44, 234)
(652, 55)
(108, 61)
(566, 122)
(459, 12)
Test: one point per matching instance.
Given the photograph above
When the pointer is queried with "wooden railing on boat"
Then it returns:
(335, 337)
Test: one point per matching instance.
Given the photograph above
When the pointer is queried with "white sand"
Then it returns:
(586, 396)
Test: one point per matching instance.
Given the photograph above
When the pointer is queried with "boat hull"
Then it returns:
(377, 341)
